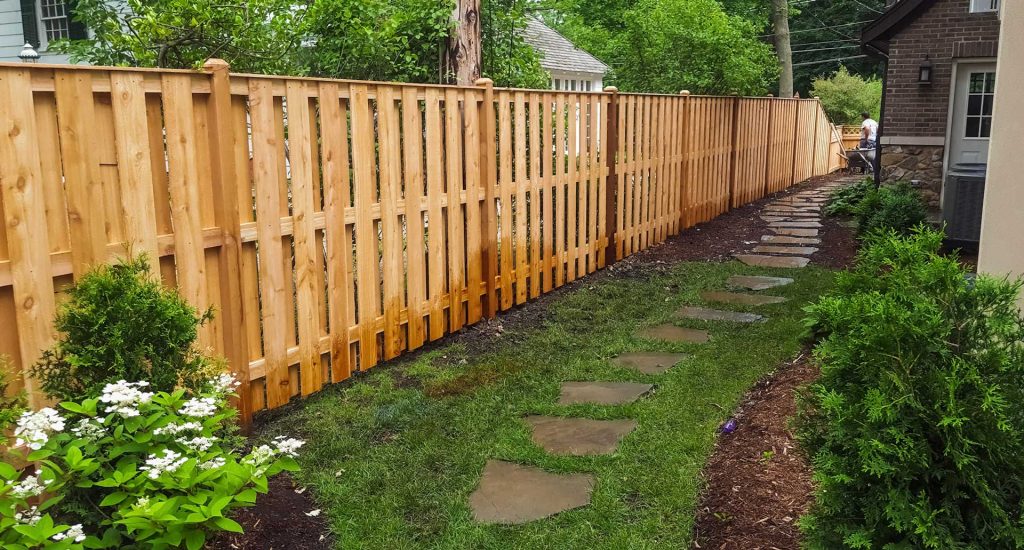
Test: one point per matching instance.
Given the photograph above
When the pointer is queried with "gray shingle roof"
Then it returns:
(557, 52)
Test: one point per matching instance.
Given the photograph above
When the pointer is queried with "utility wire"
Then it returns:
(828, 60)
(819, 28)
(827, 49)
(836, 41)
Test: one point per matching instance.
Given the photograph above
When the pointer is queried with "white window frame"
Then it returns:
(983, 94)
(984, 6)
(44, 39)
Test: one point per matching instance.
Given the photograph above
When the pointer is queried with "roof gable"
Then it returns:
(875, 36)
(557, 52)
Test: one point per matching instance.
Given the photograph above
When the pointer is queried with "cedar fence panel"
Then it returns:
(333, 225)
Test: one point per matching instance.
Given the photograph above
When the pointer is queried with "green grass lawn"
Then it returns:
(393, 457)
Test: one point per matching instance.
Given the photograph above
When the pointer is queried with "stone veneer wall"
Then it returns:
(915, 162)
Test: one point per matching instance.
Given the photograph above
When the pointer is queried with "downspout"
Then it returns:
(877, 163)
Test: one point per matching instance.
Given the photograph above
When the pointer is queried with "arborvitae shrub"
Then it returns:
(916, 427)
(120, 323)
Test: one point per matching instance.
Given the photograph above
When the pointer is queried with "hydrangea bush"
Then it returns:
(150, 462)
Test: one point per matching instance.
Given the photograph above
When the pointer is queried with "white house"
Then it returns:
(36, 22)
(570, 67)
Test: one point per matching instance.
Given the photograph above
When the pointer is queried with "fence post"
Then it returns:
(685, 162)
(796, 143)
(768, 146)
(611, 149)
(734, 150)
(222, 163)
(814, 142)
(488, 174)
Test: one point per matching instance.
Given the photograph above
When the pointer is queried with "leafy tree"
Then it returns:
(845, 96)
(253, 36)
(507, 59)
(830, 30)
(669, 45)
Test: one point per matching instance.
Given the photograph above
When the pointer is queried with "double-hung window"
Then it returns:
(984, 6)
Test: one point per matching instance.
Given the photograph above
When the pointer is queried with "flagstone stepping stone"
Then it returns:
(773, 261)
(774, 219)
(512, 493)
(672, 333)
(795, 224)
(602, 393)
(782, 239)
(740, 298)
(579, 436)
(757, 282)
(705, 314)
(649, 362)
(798, 250)
(795, 231)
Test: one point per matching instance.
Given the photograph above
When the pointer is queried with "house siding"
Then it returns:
(11, 36)
(914, 123)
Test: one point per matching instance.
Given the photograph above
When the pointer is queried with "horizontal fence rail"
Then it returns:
(333, 224)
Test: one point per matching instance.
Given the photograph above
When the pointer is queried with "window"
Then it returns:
(984, 6)
(588, 85)
(980, 93)
(558, 84)
(55, 24)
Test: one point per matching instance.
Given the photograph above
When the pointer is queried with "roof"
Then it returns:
(557, 52)
(874, 38)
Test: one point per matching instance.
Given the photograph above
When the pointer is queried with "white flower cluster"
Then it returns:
(225, 383)
(124, 398)
(157, 465)
(34, 428)
(199, 407)
(260, 456)
(74, 533)
(199, 444)
(288, 446)
(213, 463)
(142, 502)
(28, 517)
(175, 429)
(28, 487)
(89, 428)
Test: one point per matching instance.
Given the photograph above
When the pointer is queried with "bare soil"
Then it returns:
(279, 521)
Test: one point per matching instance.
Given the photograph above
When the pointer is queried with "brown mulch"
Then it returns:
(279, 521)
(758, 483)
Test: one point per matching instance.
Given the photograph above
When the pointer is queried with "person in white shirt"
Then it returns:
(868, 131)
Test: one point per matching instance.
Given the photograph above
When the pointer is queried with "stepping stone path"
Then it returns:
(741, 299)
(602, 393)
(757, 282)
(705, 314)
(773, 261)
(579, 436)
(649, 362)
(674, 334)
(511, 493)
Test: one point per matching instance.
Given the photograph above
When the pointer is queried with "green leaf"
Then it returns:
(113, 498)
(194, 539)
(227, 524)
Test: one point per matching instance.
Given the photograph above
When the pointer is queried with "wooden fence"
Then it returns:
(336, 224)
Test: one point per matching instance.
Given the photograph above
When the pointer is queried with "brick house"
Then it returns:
(939, 86)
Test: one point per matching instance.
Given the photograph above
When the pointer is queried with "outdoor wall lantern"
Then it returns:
(28, 54)
(924, 75)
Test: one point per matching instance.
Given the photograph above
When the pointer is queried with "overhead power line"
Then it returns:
(827, 49)
(831, 27)
(828, 60)
(836, 41)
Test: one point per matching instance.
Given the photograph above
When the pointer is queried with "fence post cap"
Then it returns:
(611, 89)
(214, 64)
(485, 82)
(684, 92)
(771, 95)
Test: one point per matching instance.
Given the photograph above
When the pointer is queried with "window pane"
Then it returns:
(974, 104)
(977, 83)
(986, 127)
(987, 106)
(990, 83)
(973, 126)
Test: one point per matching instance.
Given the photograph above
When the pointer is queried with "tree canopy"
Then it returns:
(669, 45)
(845, 96)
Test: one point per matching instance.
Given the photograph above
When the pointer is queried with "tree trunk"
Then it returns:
(780, 20)
(462, 56)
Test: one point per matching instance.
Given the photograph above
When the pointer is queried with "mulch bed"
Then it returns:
(758, 483)
(279, 519)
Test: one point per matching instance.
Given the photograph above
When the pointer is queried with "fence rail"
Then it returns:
(336, 224)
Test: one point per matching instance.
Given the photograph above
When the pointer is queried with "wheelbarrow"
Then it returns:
(862, 158)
